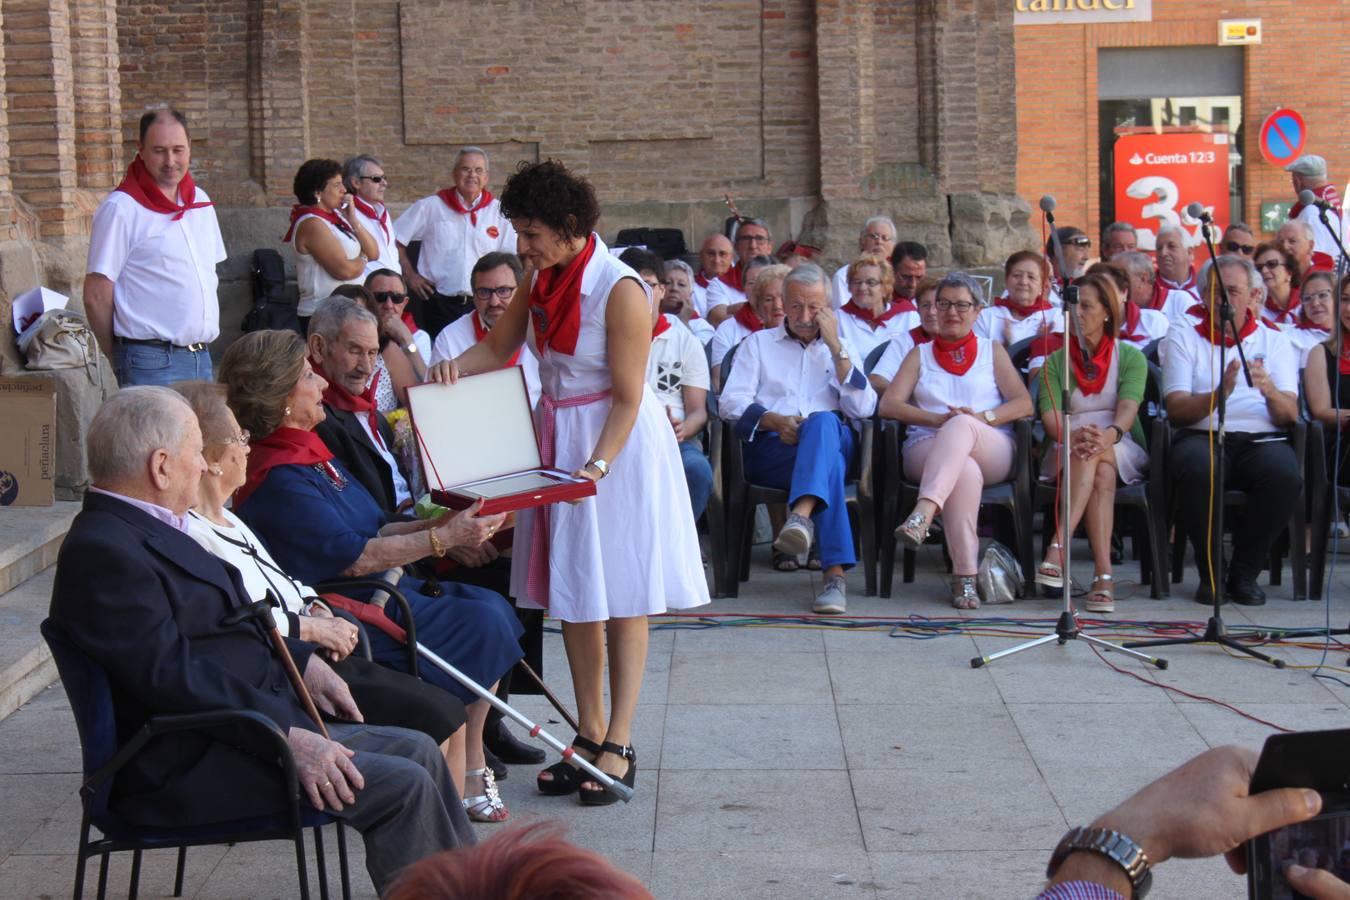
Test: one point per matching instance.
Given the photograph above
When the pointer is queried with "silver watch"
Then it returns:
(842, 355)
(1115, 846)
(990, 417)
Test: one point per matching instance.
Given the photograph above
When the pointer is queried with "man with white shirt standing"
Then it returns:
(1309, 173)
(150, 283)
(456, 226)
(366, 185)
(494, 279)
(789, 394)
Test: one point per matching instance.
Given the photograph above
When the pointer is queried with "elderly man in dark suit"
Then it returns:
(154, 609)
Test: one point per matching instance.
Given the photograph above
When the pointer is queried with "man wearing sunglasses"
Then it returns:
(1239, 240)
(366, 183)
(1077, 251)
(494, 279)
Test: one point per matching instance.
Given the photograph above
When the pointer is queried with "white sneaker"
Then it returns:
(831, 600)
(796, 536)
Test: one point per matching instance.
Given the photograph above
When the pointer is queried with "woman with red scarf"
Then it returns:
(320, 524)
(1022, 311)
(1106, 387)
(1326, 380)
(604, 564)
(872, 316)
(1315, 320)
(331, 247)
(958, 394)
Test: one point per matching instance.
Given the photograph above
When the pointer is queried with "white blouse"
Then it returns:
(938, 390)
(241, 548)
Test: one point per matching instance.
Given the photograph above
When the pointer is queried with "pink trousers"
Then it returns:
(952, 470)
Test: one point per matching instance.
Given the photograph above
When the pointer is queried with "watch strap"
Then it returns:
(1117, 847)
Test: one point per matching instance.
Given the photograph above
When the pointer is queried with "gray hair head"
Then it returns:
(1116, 228)
(354, 168)
(1233, 261)
(747, 220)
(879, 220)
(683, 266)
(1300, 225)
(470, 151)
(1135, 262)
(1240, 226)
(808, 274)
(962, 280)
(1173, 229)
(131, 425)
(333, 315)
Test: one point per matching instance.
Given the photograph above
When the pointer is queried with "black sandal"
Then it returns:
(600, 796)
(785, 562)
(566, 778)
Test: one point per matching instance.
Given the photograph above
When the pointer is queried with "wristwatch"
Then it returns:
(411, 348)
(990, 417)
(842, 355)
(1115, 846)
(599, 465)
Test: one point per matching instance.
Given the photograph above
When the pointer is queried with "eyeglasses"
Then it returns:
(1319, 297)
(864, 282)
(1080, 241)
(879, 238)
(961, 306)
(753, 238)
(1271, 264)
(1244, 249)
(241, 439)
(393, 297)
(486, 293)
(378, 179)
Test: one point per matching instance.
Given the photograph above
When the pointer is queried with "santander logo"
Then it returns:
(1136, 160)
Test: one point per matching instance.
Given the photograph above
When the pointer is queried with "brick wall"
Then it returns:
(1300, 63)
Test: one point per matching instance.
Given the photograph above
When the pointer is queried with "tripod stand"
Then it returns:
(1216, 632)
(1066, 627)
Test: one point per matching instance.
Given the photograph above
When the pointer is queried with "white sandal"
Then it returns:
(1049, 574)
(1101, 599)
(487, 806)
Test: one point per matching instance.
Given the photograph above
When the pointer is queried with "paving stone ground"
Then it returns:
(810, 763)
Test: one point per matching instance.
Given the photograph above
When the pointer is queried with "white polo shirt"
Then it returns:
(676, 361)
(719, 293)
(459, 336)
(383, 233)
(163, 271)
(1191, 364)
(451, 243)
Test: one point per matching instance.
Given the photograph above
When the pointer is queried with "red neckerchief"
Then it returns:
(555, 302)
(956, 356)
(480, 331)
(1101, 362)
(1280, 316)
(450, 197)
(298, 212)
(1046, 344)
(1131, 330)
(733, 277)
(1203, 329)
(1321, 262)
(368, 211)
(919, 336)
(1303, 324)
(871, 319)
(140, 186)
(283, 447)
(1188, 285)
(338, 397)
(906, 303)
(749, 318)
(1326, 193)
(410, 322)
(1019, 311)
(701, 279)
(662, 323)
(1160, 292)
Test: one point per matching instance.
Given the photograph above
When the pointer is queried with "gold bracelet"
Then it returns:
(437, 548)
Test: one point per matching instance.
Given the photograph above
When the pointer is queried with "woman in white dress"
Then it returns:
(1107, 440)
(331, 247)
(604, 564)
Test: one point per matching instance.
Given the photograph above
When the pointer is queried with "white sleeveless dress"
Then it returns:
(312, 279)
(632, 549)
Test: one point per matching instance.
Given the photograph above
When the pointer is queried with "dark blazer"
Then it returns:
(146, 602)
(343, 434)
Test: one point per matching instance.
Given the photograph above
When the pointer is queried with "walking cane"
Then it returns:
(262, 611)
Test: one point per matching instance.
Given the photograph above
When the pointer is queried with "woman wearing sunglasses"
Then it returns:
(1279, 271)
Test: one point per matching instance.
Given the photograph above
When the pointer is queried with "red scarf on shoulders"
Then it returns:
(906, 303)
(871, 319)
(1280, 316)
(702, 280)
(1019, 311)
(1326, 193)
(410, 322)
(749, 318)
(1101, 362)
(956, 356)
(480, 331)
(1160, 292)
(919, 336)
(1131, 330)
(338, 397)
(662, 324)
(734, 277)
(1203, 328)
(140, 186)
(368, 211)
(1321, 262)
(450, 197)
(298, 212)
(555, 302)
(283, 447)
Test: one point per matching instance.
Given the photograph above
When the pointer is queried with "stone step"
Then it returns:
(26, 665)
(30, 536)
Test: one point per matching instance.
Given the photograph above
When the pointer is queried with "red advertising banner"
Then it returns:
(1158, 175)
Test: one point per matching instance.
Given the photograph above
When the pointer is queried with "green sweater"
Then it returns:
(1132, 372)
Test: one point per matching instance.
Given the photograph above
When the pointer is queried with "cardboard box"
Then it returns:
(27, 441)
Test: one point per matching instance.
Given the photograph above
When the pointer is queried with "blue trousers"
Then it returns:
(816, 467)
(162, 366)
(697, 474)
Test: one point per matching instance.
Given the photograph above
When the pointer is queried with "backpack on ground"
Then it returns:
(273, 307)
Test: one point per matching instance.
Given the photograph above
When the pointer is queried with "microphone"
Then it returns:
(1196, 211)
(1308, 198)
(1048, 203)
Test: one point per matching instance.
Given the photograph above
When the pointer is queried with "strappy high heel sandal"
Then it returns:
(599, 795)
(487, 806)
(1101, 599)
(564, 778)
(964, 593)
(913, 530)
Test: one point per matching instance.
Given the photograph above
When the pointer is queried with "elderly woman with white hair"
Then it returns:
(959, 395)
(679, 299)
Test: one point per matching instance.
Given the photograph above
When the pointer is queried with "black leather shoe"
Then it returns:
(1205, 596)
(510, 749)
(1244, 590)
(498, 770)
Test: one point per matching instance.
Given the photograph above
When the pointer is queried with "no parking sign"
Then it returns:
(1283, 135)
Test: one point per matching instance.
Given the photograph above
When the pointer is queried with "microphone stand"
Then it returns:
(1216, 632)
(1066, 627)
